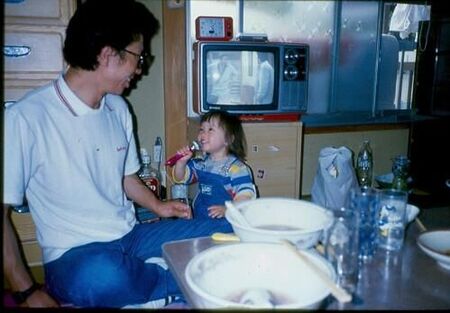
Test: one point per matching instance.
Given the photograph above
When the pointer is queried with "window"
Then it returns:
(362, 53)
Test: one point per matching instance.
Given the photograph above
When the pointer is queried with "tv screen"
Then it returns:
(250, 77)
(240, 77)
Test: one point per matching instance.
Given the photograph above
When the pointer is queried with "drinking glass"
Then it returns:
(180, 192)
(391, 222)
(363, 201)
(341, 248)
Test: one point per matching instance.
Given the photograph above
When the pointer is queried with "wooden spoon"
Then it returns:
(340, 294)
(237, 215)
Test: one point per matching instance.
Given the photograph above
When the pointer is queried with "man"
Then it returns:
(265, 82)
(70, 151)
(223, 82)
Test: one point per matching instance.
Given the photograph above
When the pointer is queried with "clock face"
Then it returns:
(211, 27)
(214, 28)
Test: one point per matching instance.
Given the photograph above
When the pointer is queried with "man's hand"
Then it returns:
(40, 299)
(173, 209)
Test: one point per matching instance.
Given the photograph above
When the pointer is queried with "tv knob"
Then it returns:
(290, 72)
(291, 56)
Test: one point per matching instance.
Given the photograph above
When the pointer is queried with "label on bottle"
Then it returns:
(153, 184)
(364, 169)
(364, 164)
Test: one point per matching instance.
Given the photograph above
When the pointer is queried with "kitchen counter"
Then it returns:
(406, 280)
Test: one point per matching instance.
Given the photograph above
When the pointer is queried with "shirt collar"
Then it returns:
(72, 102)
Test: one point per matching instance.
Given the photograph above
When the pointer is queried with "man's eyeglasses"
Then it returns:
(141, 57)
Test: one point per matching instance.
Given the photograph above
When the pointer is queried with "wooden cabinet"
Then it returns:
(39, 13)
(274, 153)
(34, 34)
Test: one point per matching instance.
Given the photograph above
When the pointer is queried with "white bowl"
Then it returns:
(385, 181)
(273, 219)
(221, 276)
(436, 244)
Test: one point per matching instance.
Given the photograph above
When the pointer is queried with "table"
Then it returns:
(406, 280)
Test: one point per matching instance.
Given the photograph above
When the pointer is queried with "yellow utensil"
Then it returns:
(224, 237)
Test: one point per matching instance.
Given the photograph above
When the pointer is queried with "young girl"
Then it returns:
(222, 173)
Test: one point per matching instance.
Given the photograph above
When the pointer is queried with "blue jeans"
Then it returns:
(114, 274)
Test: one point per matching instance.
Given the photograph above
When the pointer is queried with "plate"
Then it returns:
(436, 244)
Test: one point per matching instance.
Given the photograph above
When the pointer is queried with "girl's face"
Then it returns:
(213, 140)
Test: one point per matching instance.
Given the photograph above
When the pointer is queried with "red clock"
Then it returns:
(218, 28)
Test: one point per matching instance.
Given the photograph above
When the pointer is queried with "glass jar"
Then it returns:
(400, 169)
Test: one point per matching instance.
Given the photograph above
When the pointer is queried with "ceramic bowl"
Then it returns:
(256, 275)
(436, 244)
(385, 181)
(273, 219)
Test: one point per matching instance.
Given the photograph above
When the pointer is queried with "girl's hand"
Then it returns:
(216, 211)
(187, 154)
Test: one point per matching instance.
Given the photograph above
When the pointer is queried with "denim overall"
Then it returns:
(211, 190)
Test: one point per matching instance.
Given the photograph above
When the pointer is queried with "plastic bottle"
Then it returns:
(364, 165)
(149, 175)
(400, 169)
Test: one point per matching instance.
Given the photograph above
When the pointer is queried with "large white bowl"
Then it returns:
(221, 276)
(436, 244)
(273, 219)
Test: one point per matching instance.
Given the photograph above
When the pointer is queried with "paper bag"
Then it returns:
(334, 179)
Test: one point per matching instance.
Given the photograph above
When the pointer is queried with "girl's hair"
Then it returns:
(234, 132)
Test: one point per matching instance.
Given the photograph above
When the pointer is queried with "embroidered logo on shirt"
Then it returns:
(120, 148)
(206, 189)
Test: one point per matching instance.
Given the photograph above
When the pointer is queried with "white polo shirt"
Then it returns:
(69, 161)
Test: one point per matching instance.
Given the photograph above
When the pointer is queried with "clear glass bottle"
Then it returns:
(400, 169)
(149, 175)
(364, 165)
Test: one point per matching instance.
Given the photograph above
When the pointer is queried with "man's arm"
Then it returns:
(14, 267)
(136, 190)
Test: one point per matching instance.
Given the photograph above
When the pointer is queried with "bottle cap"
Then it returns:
(145, 156)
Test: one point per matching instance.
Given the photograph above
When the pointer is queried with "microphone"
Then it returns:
(171, 162)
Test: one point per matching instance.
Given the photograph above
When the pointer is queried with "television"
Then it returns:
(250, 78)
